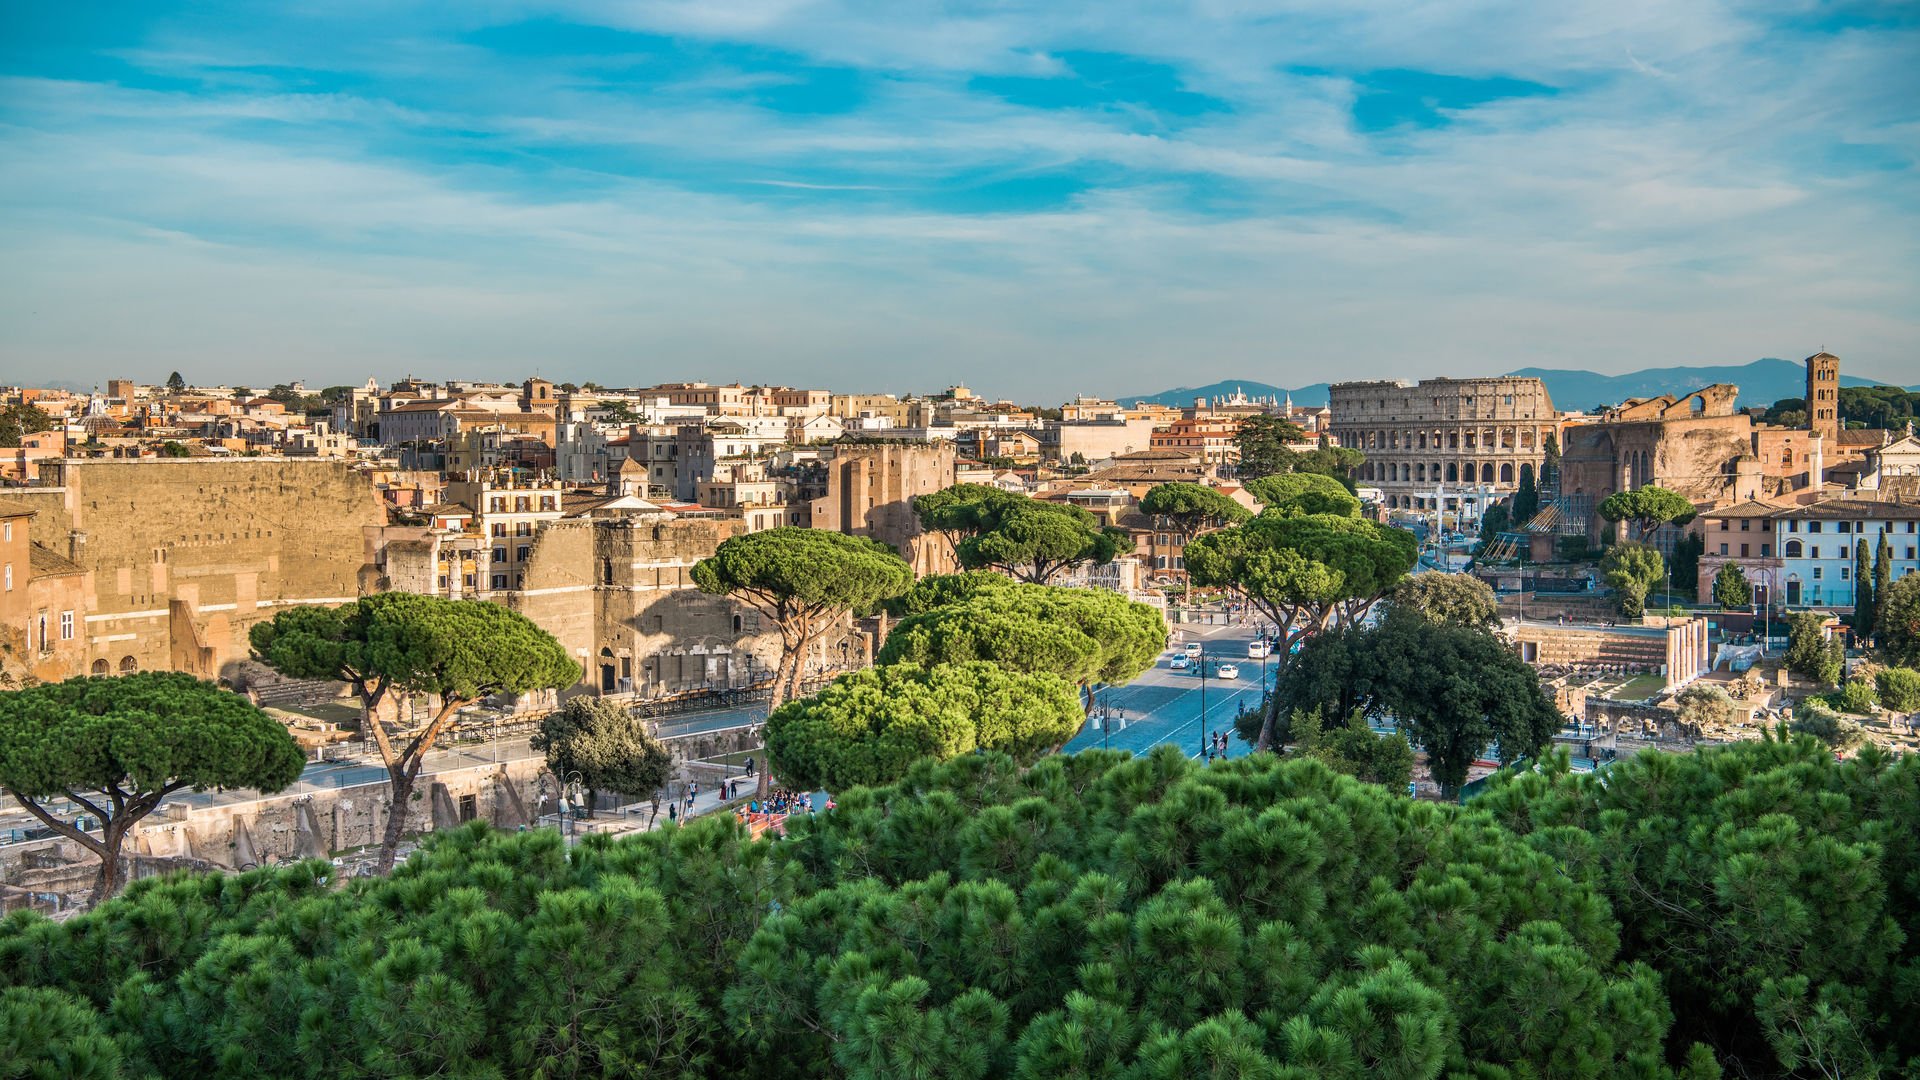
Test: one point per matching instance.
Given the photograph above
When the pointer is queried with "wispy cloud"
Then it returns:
(1037, 199)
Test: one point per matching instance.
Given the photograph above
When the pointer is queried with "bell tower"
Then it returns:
(1823, 396)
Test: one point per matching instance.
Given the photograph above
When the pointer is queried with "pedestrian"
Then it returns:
(673, 813)
(749, 766)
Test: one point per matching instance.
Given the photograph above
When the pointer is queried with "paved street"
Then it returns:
(1164, 705)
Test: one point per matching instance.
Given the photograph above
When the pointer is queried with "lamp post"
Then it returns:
(571, 780)
(1203, 701)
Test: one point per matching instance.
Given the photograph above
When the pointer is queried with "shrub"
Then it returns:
(1899, 689)
(1856, 696)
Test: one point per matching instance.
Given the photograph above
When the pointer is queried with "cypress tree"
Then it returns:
(1550, 463)
(1882, 580)
(1526, 501)
(1862, 590)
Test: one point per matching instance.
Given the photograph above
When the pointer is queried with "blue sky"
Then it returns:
(1037, 199)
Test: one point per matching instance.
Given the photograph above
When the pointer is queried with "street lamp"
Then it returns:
(573, 781)
(1203, 701)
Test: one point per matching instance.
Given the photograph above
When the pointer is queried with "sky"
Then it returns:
(1034, 199)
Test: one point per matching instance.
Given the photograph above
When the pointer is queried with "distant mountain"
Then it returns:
(1762, 382)
(1184, 395)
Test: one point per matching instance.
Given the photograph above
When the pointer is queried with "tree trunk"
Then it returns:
(401, 780)
(107, 881)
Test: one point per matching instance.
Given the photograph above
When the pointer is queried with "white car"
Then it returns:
(1258, 649)
(1227, 671)
(1193, 648)
(1182, 660)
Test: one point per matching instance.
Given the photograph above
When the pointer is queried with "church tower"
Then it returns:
(1823, 396)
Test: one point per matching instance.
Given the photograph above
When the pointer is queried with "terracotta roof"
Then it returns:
(1837, 509)
(47, 562)
(1862, 437)
(1748, 509)
(9, 508)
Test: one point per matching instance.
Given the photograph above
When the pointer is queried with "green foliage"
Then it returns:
(1453, 599)
(805, 581)
(1899, 688)
(1194, 508)
(1091, 916)
(171, 448)
(1526, 501)
(1882, 579)
(1354, 749)
(1809, 654)
(1899, 618)
(20, 420)
(944, 590)
(1306, 573)
(458, 650)
(1772, 887)
(1284, 488)
(175, 382)
(1573, 548)
(1856, 695)
(1454, 690)
(1550, 462)
(868, 727)
(1492, 523)
(1730, 588)
(51, 1035)
(1082, 635)
(1646, 509)
(1263, 445)
(118, 746)
(1863, 620)
(1814, 717)
(1035, 540)
(1683, 570)
(602, 741)
(1878, 406)
(962, 510)
(1704, 704)
(1632, 569)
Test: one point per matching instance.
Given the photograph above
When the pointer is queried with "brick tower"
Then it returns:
(1823, 396)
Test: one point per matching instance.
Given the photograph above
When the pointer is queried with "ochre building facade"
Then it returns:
(179, 556)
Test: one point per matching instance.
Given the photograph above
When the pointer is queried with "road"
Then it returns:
(1164, 705)
(364, 767)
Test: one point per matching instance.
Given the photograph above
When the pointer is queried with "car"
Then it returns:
(1193, 648)
(1181, 660)
(1227, 671)
(1257, 649)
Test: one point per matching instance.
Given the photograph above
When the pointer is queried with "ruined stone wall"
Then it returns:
(1701, 457)
(1442, 431)
(183, 555)
(870, 492)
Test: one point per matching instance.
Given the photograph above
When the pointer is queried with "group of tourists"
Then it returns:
(782, 801)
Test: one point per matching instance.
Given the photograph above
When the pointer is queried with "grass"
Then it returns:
(1640, 687)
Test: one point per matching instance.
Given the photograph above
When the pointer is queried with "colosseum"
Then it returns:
(1427, 442)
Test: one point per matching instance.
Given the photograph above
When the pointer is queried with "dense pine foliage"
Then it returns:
(1091, 916)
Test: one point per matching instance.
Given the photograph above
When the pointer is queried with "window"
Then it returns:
(469, 808)
(1723, 549)
(497, 505)
(1816, 573)
(66, 617)
(46, 642)
(1909, 553)
(444, 582)
(521, 554)
(546, 502)
(9, 577)
(128, 665)
(468, 579)
(1766, 550)
(499, 581)
(1725, 524)
(499, 528)
(9, 532)
(1746, 525)
(1815, 554)
(499, 554)
(1743, 551)
(1813, 526)
(1843, 526)
(1844, 572)
(1793, 526)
